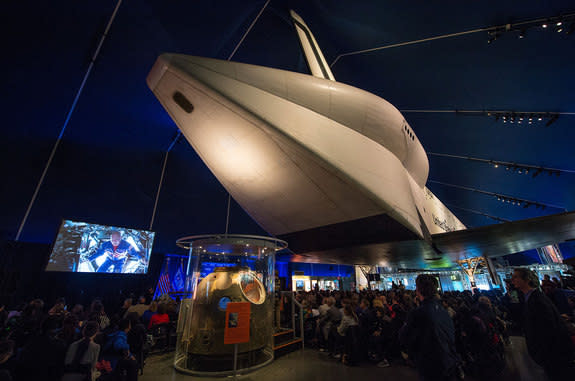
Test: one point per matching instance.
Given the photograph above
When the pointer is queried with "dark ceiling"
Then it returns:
(108, 164)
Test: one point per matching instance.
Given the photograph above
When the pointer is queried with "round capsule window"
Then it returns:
(252, 288)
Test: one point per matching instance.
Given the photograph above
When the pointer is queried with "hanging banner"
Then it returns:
(237, 328)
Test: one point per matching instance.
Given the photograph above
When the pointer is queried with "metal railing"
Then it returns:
(296, 308)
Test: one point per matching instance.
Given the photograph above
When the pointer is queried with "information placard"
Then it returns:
(237, 328)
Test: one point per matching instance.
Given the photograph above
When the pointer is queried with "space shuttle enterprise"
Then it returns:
(335, 171)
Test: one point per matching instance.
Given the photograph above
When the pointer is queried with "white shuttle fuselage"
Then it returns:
(300, 152)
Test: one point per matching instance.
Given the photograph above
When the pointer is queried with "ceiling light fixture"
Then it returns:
(520, 168)
(558, 24)
(519, 117)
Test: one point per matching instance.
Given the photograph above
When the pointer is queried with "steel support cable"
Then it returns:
(505, 27)
(503, 163)
(67, 120)
(521, 200)
(179, 134)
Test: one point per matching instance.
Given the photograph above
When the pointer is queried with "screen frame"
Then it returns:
(110, 274)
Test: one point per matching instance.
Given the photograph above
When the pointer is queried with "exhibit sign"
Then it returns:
(237, 328)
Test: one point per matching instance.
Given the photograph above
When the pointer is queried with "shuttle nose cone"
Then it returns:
(199, 68)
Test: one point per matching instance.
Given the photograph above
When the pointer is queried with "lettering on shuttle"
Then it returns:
(443, 224)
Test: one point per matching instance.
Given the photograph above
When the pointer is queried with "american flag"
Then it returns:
(164, 285)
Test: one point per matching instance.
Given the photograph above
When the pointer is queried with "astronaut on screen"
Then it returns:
(116, 252)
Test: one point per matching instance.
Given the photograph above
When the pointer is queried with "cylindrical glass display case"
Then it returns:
(226, 272)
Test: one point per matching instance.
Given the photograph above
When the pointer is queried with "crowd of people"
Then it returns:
(79, 343)
(444, 336)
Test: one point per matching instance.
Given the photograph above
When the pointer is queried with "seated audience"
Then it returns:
(70, 331)
(139, 308)
(6, 352)
(160, 318)
(117, 351)
(42, 358)
(147, 315)
(82, 355)
(98, 314)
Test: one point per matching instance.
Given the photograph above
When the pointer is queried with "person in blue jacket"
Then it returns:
(117, 252)
(117, 351)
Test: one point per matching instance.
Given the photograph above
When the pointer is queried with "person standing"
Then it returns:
(546, 335)
(429, 334)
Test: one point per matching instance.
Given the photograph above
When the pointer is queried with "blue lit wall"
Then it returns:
(282, 268)
(523, 258)
(320, 269)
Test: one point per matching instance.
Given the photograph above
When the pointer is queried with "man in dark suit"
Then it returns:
(548, 341)
(429, 334)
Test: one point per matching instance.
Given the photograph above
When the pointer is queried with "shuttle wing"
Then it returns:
(446, 248)
(507, 238)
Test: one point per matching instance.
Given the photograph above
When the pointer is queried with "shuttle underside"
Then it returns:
(291, 168)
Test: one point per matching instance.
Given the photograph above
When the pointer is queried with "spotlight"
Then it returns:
(559, 23)
(540, 119)
(492, 36)
(496, 166)
(544, 25)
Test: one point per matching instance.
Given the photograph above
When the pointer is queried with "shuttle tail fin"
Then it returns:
(315, 59)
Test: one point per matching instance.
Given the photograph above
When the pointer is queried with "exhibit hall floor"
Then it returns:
(310, 364)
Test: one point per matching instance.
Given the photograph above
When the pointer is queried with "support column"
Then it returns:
(470, 266)
(492, 272)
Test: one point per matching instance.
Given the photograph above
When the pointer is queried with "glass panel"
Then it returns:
(223, 270)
